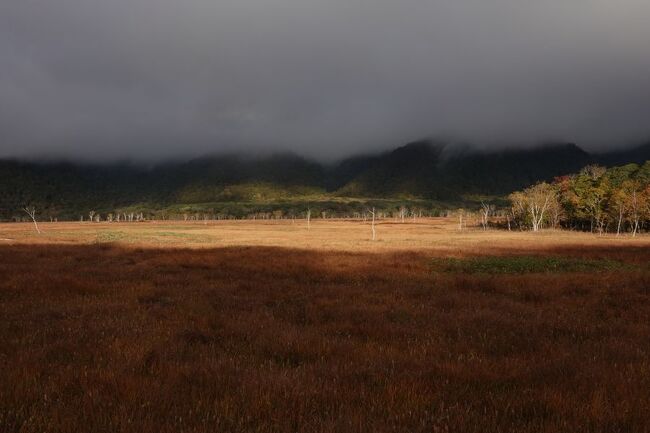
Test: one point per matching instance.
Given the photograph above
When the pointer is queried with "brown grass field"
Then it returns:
(243, 326)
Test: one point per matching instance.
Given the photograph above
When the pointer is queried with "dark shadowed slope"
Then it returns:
(425, 169)
(422, 170)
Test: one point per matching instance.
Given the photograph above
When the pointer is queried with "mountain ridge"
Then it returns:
(424, 169)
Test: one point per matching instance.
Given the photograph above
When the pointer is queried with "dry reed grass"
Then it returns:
(119, 337)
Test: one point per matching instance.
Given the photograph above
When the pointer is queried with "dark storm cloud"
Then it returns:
(157, 78)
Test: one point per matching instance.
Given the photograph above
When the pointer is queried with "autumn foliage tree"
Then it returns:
(596, 199)
(532, 207)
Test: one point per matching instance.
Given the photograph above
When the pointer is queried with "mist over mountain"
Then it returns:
(423, 170)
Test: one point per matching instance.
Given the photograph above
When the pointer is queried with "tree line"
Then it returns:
(597, 199)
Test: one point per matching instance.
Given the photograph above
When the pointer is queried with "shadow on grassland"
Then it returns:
(108, 338)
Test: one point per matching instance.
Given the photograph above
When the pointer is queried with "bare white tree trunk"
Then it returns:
(31, 211)
(635, 214)
(486, 209)
(308, 219)
(372, 224)
(537, 212)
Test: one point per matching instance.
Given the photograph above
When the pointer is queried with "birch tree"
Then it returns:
(518, 208)
(635, 206)
(372, 224)
(31, 211)
(402, 213)
(539, 199)
(486, 211)
(618, 204)
(533, 204)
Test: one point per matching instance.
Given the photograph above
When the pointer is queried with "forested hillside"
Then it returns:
(434, 171)
(423, 174)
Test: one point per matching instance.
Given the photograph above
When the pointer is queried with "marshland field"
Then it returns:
(268, 326)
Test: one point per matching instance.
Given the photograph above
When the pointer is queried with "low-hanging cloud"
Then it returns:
(160, 78)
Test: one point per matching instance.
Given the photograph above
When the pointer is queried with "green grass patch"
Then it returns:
(111, 236)
(523, 265)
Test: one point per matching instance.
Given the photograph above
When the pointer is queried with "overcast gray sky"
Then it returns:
(159, 78)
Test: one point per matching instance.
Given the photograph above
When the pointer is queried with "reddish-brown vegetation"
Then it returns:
(107, 338)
